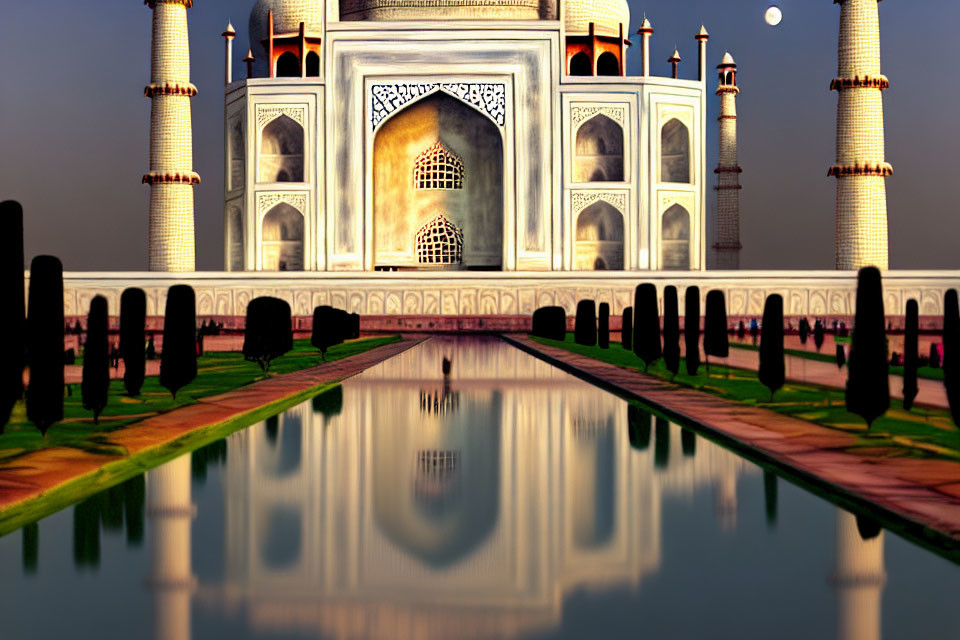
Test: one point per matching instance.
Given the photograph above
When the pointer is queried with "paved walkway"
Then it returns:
(32, 475)
(932, 392)
(923, 492)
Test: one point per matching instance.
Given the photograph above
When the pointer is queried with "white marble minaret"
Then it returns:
(728, 170)
(860, 169)
(171, 176)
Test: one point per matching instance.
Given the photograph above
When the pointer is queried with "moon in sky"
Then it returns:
(773, 16)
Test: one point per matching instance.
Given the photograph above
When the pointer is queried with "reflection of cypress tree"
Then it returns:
(638, 427)
(31, 547)
(603, 326)
(96, 360)
(671, 330)
(329, 404)
(204, 457)
(273, 429)
(868, 528)
(911, 352)
(111, 513)
(646, 324)
(45, 342)
(688, 443)
(770, 496)
(133, 314)
(691, 329)
(12, 323)
(134, 508)
(868, 382)
(86, 534)
(626, 329)
(661, 445)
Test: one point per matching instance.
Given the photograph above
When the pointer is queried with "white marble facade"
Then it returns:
(634, 131)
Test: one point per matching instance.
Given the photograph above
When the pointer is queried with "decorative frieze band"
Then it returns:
(488, 97)
(866, 82)
(170, 89)
(171, 177)
(882, 169)
(580, 200)
(267, 201)
(266, 113)
(582, 113)
(153, 3)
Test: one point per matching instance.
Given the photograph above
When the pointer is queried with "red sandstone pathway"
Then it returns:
(32, 475)
(925, 492)
(932, 392)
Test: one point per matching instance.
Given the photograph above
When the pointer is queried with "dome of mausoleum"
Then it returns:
(287, 16)
(607, 17)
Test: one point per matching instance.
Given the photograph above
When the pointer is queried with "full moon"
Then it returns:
(773, 16)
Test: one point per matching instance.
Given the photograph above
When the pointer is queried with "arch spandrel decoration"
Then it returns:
(490, 98)
(267, 201)
(266, 113)
(581, 113)
(580, 200)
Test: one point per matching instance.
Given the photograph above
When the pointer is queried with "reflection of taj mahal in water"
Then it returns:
(480, 135)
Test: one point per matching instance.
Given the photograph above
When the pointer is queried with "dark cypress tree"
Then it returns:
(691, 329)
(638, 427)
(841, 356)
(354, 326)
(671, 330)
(603, 326)
(716, 342)
(951, 352)
(178, 360)
(12, 323)
(550, 323)
(45, 342)
(626, 329)
(96, 359)
(804, 330)
(326, 329)
(646, 324)
(772, 370)
(868, 384)
(268, 333)
(133, 337)
(911, 354)
(818, 331)
(585, 326)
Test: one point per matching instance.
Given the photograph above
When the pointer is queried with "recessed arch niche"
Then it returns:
(675, 238)
(281, 151)
(675, 152)
(281, 239)
(599, 238)
(598, 152)
(403, 203)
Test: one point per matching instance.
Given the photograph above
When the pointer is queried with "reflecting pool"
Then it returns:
(505, 499)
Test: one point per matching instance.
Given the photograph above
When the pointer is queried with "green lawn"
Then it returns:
(217, 372)
(920, 432)
(928, 373)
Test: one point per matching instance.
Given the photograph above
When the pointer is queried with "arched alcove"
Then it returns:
(281, 151)
(675, 152)
(598, 152)
(608, 65)
(599, 239)
(580, 65)
(313, 65)
(675, 238)
(237, 155)
(436, 156)
(235, 244)
(281, 239)
(288, 66)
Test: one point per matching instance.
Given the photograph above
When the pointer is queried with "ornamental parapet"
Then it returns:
(728, 169)
(882, 169)
(857, 82)
(728, 89)
(726, 116)
(171, 177)
(728, 187)
(170, 89)
(153, 3)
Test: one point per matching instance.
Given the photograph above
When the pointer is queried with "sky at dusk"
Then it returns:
(74, 125)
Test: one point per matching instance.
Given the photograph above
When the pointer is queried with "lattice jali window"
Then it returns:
(438, 168)
(440, 242)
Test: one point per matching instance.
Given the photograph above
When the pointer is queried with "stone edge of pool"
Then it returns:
(48, 480)
(807, 453)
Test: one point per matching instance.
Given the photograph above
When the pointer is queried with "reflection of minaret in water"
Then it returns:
(858, 579)
(726, 501)
(171, 511)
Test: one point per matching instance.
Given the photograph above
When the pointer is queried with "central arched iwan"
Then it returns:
(403, 201)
